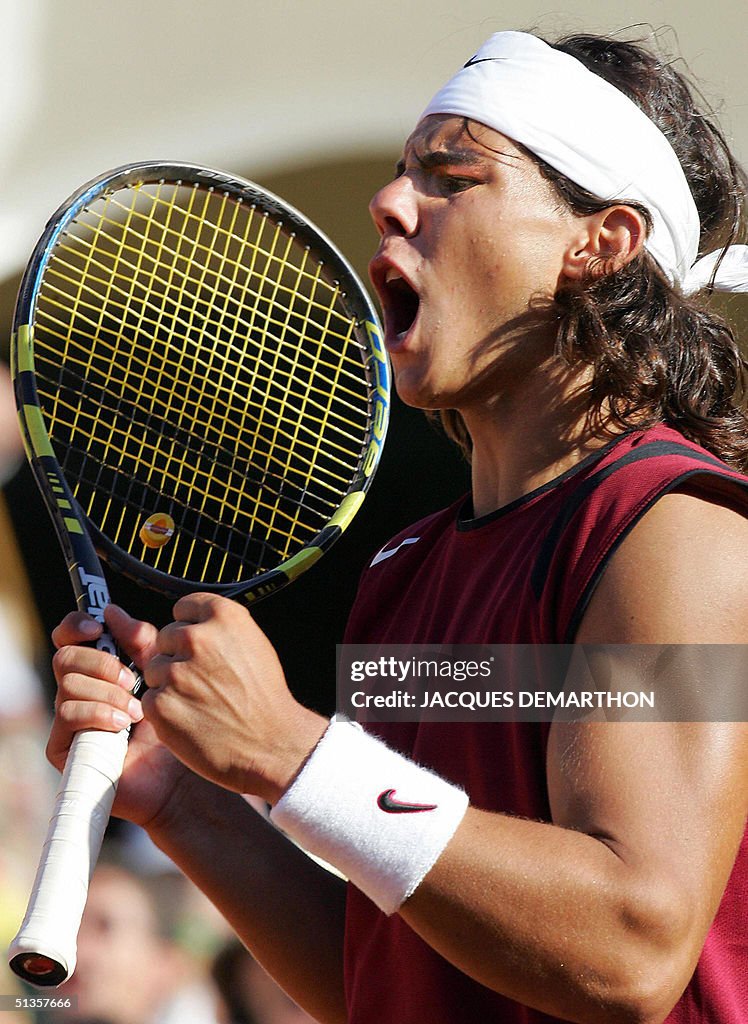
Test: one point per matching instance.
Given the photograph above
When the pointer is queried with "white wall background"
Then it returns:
(255, 85)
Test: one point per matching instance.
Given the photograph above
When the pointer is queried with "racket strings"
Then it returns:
(193, 359)
(133, 256)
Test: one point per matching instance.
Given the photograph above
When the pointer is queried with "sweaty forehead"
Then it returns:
(452, 133)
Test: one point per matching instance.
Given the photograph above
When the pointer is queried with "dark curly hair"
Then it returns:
(655, 354)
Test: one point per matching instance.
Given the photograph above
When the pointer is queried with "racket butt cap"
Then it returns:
(40, 969)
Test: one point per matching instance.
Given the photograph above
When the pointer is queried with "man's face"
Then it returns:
(472, 245)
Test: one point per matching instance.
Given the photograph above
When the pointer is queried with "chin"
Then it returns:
(416, 394)
(420, 393)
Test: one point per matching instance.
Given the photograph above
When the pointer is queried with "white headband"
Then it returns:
(597, 137)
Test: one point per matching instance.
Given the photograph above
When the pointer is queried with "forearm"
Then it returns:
(285, 908)
(552, 918)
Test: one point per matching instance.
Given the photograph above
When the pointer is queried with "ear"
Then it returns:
(607, 241)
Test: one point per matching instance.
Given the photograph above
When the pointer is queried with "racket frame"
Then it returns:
(39, 448)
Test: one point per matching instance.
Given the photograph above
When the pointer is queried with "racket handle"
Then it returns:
(43, 952)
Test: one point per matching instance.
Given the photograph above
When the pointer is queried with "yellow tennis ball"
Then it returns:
(157, 530)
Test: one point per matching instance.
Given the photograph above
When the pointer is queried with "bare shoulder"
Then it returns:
(680, 576)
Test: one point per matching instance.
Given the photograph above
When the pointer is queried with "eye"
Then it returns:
(453, 183)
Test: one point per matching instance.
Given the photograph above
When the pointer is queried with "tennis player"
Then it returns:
(546, 245)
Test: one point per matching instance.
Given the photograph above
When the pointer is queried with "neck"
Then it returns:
(525, 440)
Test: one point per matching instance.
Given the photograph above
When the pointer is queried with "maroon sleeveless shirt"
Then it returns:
(523, 574)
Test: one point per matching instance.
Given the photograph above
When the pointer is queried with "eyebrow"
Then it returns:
(444, 158)
(467, 157)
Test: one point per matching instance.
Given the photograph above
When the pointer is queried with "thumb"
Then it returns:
(135, 638)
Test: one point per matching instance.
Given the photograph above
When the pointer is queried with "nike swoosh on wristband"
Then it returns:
(382, 555)
(387, 803)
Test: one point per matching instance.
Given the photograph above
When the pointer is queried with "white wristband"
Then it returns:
(377, 817)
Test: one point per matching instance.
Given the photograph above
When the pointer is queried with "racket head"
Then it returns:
(200, 377)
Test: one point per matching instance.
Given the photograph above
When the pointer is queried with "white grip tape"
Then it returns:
(376, 816)
(71, 848)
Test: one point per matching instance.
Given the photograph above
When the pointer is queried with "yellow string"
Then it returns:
(182, 305)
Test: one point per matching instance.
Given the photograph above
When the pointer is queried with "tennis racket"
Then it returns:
(203, 394)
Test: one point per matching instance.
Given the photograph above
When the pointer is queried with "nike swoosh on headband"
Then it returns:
(386, 802)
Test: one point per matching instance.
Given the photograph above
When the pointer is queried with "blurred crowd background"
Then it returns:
(313, 101)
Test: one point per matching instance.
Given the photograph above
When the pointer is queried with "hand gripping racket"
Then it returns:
(203, 394)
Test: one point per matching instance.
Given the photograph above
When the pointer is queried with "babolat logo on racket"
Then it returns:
(157, 530)
(97, 596)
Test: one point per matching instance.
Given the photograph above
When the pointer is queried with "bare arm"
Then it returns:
(286, 909)
(602, 914)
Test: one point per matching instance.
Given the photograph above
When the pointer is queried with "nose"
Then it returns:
(394, 208)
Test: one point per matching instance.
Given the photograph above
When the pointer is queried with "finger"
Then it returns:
(137, 639)
(76, 628)
(161, 673)
(200, 607)
(88, 661)
(73, 716)
(77, 687)
(170, 639)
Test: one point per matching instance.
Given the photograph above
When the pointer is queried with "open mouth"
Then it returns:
(400, 303)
